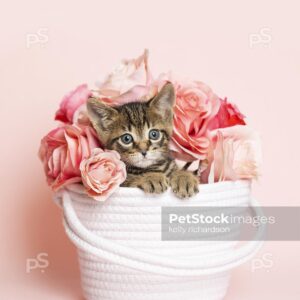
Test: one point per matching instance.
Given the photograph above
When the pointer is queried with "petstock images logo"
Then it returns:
(231, 223)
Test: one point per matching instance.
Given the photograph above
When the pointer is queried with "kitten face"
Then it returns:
(140, 132)
(139, 136)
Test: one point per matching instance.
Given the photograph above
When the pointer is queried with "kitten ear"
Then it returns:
(101, 115)
(164, 101)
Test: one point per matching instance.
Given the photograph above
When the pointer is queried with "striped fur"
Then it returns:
(148, 160)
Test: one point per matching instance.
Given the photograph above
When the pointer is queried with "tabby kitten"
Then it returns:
(140, 132)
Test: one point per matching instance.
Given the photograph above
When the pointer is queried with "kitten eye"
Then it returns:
(154, 134)
(126, 138)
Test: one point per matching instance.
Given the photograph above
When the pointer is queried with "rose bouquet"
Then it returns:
(210, 134)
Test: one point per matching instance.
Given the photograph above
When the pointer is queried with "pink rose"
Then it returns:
(102, 173)
(71, 103)
(227, 116)
(196, 104)
(130, 81)
(62, 151)
(237, 153)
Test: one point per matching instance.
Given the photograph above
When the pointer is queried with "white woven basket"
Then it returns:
(121, 254)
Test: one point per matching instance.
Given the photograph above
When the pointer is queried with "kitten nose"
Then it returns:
(144, 153)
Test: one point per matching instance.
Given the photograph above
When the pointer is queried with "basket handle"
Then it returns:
(147, 262)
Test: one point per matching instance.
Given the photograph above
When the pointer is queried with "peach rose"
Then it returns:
(130, 81)
(102, 173)
(62, 151)
(237, 153)
(227, 116)
(71, 103)
(196, 104)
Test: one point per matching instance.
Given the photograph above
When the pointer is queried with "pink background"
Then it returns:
(248, 52)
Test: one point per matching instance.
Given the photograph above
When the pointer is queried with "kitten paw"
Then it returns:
(154, 183)
(184, 184)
